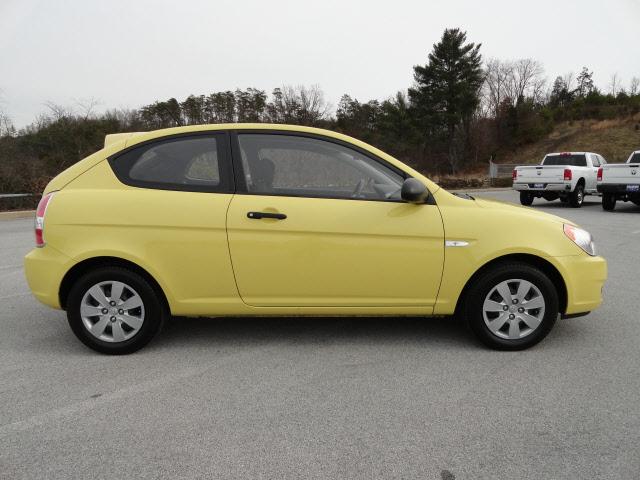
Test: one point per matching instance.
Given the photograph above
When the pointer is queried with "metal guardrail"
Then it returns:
(16, 195)
(501, 170)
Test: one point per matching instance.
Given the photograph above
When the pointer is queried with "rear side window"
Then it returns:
(635, 158)
(194, 163)
(573, 160)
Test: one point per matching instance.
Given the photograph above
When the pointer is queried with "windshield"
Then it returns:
(575, 160)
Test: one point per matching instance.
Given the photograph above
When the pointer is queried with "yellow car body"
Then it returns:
(330, 257)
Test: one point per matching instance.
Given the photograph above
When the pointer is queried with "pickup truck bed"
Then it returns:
(568, 176)
(620, 182)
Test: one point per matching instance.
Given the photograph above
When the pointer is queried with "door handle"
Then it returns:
(259, 215)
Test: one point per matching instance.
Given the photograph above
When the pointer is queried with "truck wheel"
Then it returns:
(526, 198)
(511, 306)
(577, 197)
(114, 310)
(608, 201)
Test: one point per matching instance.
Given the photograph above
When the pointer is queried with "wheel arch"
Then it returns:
(89, 264)
(544, 265)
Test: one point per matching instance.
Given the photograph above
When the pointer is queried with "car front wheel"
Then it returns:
(114, 310)
(511, 306)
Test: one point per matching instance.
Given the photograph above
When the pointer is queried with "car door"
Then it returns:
(316, 223)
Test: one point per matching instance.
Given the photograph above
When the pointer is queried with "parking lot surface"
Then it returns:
(408, 398)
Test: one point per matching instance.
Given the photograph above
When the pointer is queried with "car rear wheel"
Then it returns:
(526, 198)
(511, 306)
(114, 310)
(608, 201)
(577, 197)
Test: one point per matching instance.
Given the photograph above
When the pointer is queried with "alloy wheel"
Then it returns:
(513, 309)
(112, 311)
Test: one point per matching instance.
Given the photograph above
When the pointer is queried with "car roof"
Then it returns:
(131, 139)
(572, 153)
(115, 143)
(137, 137)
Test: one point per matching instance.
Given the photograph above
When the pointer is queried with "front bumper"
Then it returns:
(584, 277)
(45, 268)
(548, 187)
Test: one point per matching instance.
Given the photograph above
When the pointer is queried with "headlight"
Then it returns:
(581, 238)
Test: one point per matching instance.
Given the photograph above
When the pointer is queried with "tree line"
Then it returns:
(460, 111)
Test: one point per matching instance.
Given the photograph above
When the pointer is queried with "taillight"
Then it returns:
(567, 174)
(514, 175)
(600, 174)
(40, 212)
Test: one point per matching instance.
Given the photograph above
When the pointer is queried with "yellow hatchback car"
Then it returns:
(255, 219)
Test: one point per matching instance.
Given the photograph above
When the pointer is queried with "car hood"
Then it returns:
(520, 210)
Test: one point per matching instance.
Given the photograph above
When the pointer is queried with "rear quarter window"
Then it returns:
(190, 163)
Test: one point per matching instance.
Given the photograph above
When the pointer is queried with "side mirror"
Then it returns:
(413, 191)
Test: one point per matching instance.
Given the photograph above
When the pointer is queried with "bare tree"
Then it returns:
(568, 79)
(512, 82)
(526, 80)
(313, 105)
(634, 86)
(125, 117)
(300, 105)
(58, 112)
(87, 107)
(497, 74)
(6, 125)
(614, 84)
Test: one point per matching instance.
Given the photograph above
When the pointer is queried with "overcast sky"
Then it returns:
(127, 53)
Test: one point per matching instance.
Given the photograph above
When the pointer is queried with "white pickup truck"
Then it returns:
(620, 182)
(568, 176)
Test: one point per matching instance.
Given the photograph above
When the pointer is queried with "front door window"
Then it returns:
(299, 166)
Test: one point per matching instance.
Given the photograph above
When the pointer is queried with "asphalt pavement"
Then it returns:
(320, 398)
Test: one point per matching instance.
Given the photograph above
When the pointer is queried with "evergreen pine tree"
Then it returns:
(446, 93)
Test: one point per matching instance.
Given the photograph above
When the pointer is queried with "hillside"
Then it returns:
(614, 139)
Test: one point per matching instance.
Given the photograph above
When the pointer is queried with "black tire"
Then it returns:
(550, 197)
(608, 201)
(153, 307)
(526, 198)
(577, 196)
(473, 301)
(636, 201)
